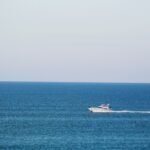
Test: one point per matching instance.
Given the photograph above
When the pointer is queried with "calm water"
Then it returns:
(54, 116)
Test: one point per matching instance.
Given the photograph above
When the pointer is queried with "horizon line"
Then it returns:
(104, 82)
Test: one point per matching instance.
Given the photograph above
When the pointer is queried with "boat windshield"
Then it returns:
(105, 106)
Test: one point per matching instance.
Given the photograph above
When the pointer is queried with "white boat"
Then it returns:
(101, 108)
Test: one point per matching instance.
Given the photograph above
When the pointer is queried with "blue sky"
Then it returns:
(77, 41)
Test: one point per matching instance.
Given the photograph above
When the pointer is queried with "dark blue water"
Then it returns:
(54, 116)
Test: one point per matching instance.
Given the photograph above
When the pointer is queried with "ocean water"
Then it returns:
(55, 116)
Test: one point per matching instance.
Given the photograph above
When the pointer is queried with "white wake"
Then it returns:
(130, 111)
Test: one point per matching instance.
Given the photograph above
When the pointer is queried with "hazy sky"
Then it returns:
(75, 40)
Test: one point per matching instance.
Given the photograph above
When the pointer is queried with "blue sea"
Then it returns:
(55, 116)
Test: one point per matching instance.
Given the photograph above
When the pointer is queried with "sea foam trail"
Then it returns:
(130, 111)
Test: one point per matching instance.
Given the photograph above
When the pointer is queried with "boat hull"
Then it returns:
(99, 110)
